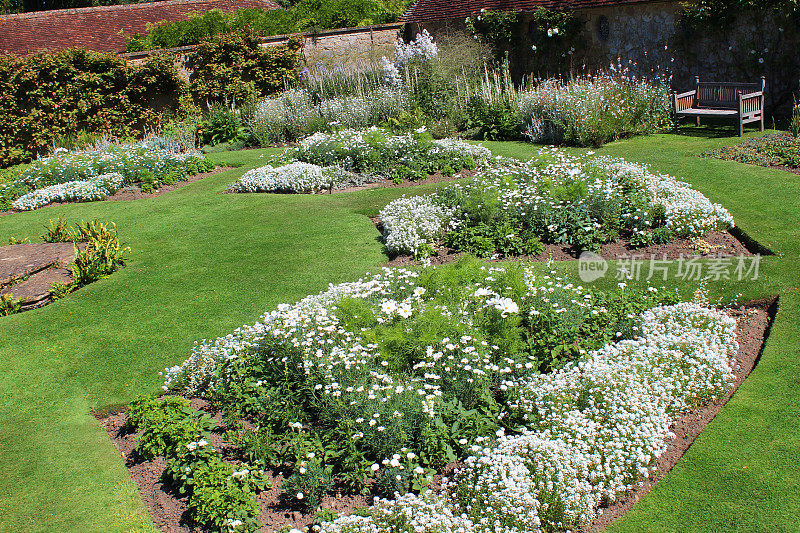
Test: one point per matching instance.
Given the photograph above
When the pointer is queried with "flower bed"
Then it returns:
(553, 396)
(511, 207)
(347, 158)
(91, 174)
(771, 150)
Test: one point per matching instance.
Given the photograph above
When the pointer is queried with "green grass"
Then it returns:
(203, 263)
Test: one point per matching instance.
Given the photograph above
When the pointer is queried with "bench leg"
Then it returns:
(741, 127)
(762, 120)
(698, 121)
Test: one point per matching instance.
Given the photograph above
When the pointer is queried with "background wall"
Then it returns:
(330, 47)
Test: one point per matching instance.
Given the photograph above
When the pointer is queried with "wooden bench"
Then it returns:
(743, 102)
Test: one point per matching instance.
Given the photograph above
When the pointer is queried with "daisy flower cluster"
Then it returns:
(592, 430)
(556, 198)
(407, 370)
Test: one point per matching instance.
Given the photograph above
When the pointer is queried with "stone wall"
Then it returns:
(347, 46)
(648, 39)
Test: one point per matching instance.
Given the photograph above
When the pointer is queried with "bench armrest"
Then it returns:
(752, 95)
(683, 101)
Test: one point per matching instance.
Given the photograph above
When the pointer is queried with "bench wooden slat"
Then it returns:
(703, 112)
(744, 101)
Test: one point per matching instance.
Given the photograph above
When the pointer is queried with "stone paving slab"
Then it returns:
(19, 260)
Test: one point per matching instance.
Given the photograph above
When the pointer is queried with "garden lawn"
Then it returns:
(203, 263)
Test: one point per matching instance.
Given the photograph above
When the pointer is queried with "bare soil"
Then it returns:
(27, 271)
(169, 510)
(722, 244)
(134, 192)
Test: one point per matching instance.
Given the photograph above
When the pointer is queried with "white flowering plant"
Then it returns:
(509, 207)
(375, 151)
(554, 396)
(94, 173)
(296, 177)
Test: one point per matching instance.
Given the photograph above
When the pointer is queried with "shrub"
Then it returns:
(309, 482)
(50, 95)
(167, 424)
(8, 305)
(102, 254)
(233, 67)
(304, 15)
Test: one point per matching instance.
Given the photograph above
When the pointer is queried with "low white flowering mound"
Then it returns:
(410, 223)
(89, 190)
(295, 177)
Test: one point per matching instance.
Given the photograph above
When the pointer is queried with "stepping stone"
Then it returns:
(19, 260)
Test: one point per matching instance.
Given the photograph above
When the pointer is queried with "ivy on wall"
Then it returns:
(51, 94)
(234, 67)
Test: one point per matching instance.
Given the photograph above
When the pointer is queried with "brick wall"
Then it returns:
(100, 28)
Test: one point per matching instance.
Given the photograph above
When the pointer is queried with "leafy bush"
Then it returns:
(233, 67)
(50, 95)
(8, 305)
(794, 124)
(167, 425)
(102, 255)
(310, 481)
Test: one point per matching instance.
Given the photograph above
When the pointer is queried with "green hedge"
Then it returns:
(233, 67)
(50, 95)
(306, 15)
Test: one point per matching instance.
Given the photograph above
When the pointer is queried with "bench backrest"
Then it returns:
(724, 94)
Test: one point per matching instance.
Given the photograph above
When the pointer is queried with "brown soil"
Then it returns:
(134, 192)
(751, 332)
(723, 244)
(27, 271)
(169, 510)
